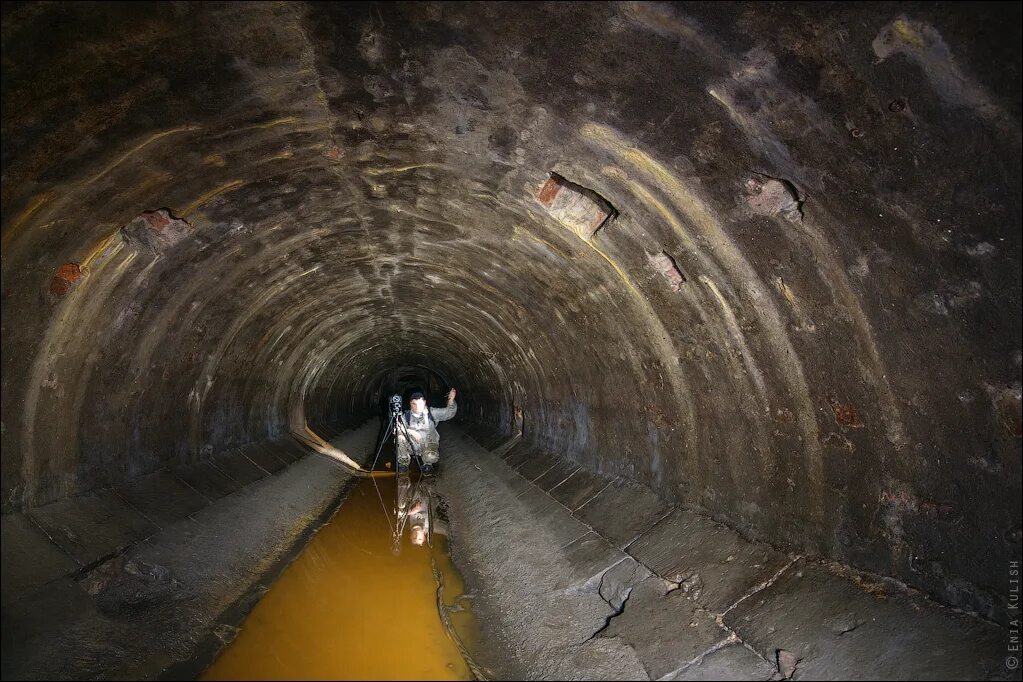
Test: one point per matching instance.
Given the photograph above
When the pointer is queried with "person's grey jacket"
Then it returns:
(424, 426)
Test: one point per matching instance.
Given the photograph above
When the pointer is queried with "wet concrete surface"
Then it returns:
(689, 599)
(536, 603)
(166, 598)
(555, 594)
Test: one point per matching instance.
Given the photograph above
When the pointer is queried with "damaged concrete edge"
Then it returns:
(761, 586)
(212, 643)
(230, 619)
(595, 583)
(849, 573)
(732, 638)
(85, 567)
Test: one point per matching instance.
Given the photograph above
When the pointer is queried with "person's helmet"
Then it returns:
(416, 395)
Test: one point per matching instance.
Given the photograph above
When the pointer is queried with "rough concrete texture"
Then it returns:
(536, 598)
(622, 511)
(730, 662)
(710, 558)
(162, 498)
(578, 488)
(556, 475)
(666, 629)
(694, 600)
(220, 219)
(164, 601)
(91, 527)
(30, 558)
(870, 630)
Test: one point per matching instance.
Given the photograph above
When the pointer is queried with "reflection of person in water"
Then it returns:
(419, 517)
(412, 509)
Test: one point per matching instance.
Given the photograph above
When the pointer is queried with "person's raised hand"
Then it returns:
(451, 396)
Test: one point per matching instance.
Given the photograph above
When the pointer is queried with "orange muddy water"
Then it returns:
(356, 604)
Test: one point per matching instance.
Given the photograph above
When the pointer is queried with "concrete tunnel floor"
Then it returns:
(571, 576)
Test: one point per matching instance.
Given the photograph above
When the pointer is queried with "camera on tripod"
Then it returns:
(395, 404)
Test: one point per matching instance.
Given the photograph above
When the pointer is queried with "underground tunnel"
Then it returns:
(729, 294)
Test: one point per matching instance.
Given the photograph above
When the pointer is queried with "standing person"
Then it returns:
(421, 424)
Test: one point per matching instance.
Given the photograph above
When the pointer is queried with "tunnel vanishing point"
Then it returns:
(761, 260)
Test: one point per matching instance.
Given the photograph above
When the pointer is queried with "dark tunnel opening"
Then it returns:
(755, 264)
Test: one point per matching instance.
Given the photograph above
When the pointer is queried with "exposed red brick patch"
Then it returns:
(65, 280)
(846, 415)
(666, 265)
(333, 153)
(549, 190)
(158, 230)
(157, 220)
(574, 206)
(770, 196)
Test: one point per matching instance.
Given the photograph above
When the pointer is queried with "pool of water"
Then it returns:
(373, 596)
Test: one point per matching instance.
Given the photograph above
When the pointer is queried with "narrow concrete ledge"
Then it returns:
(105, 593)
(536, 465)
(578, 489)
(556, 475)
(162, 498)
(694, 600)
(264, 458)
(208, 480)
(517, 455)
(239, 467)
(30, 558)
(91, 527)
(536, 571)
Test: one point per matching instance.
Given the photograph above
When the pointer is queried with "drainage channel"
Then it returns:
(375, 595)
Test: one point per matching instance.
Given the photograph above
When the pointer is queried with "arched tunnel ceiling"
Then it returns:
(805, 318)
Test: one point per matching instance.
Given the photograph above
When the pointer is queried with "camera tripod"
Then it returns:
(400, 430)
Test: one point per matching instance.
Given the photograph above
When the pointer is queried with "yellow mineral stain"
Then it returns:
(214, 160)
(399, 169)
(287, 120)
(350, 608)
(907, 32)
(645, 164)
(518, 232)
(99, 248)
(34, 204)
(226, 187)
(721, 99)
(142, 145)
(621, 273)
(786, 290)
(701, 220)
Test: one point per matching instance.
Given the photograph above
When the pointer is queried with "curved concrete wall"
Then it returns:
(802, 314)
